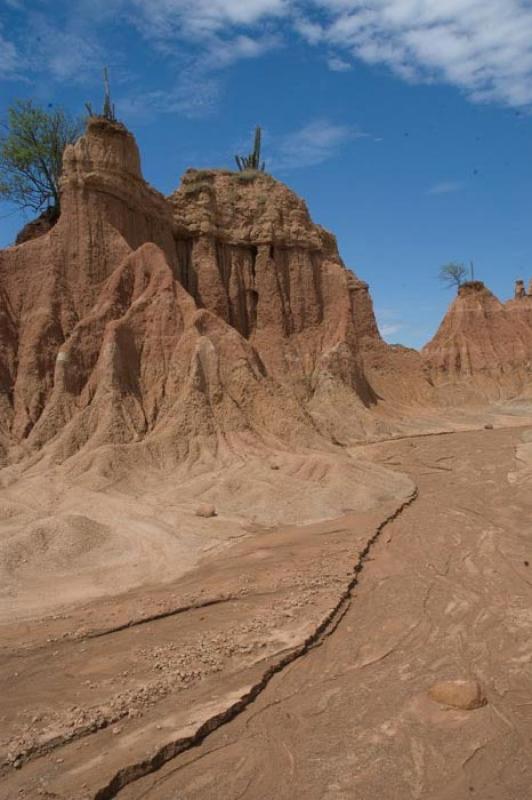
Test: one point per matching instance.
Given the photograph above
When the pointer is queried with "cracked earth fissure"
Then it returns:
(172, 612)
(327, 626)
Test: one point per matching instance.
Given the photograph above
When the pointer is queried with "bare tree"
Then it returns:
(453, 274)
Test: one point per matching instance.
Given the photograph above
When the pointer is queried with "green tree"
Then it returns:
(253, 160)
(453, 274)
(32, 142)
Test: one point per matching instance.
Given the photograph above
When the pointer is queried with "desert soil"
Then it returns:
(299, 661)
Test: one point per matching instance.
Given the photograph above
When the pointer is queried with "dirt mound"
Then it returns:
(63, 543)
(57, 541)
(482, 347)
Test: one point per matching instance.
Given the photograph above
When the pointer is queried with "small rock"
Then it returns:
(466, 695)
(488, 427)
(205, 510)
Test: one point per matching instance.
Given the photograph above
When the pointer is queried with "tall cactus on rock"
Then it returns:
(253, 160)
(108, 106)
(108, 111)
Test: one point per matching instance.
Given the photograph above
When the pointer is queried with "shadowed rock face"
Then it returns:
(221, 310)
(259, 262)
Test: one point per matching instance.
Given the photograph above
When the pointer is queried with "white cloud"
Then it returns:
(337, 64)
(199, 86)
(195, 95)
(311, 31)
(224, 52)
(215, 34)
(390, 329)
(482, 46)
(57, 52)
(389, 321)
(313, 144)
(70, 57)
(8, 58)
(445, 187)
(200, 18)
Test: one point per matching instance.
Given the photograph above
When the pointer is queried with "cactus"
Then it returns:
(253, 160)
(108, 107)
(108, 111)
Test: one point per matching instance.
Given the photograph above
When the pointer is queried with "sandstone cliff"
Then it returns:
(221, 311)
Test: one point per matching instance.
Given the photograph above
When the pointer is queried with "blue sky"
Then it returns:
(405, 124)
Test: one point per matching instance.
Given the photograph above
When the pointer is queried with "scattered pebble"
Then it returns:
(205, 510)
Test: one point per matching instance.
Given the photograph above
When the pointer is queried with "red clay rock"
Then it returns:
(205, 510)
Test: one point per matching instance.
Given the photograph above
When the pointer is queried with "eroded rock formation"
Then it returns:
(220, 311)
(482, 347)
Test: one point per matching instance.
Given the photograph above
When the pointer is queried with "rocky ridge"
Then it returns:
(220, 311)
(219, 315)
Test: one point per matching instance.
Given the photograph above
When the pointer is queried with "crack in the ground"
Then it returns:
(134, 772)
(133, 623)
(46, 747)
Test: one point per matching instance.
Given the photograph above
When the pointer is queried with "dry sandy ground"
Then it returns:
(67, 538)
(64, 542)
(297, 663)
